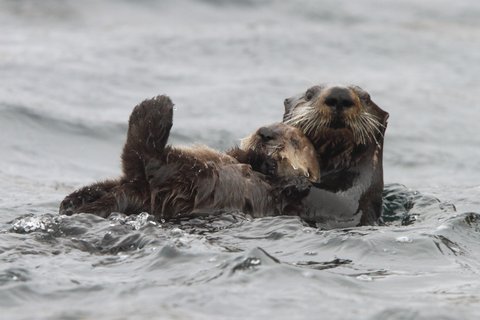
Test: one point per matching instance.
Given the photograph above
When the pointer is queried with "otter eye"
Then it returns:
(364, 96)
(309, 94)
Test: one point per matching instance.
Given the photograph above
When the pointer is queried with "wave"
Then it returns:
(137, 257)
(23, 117)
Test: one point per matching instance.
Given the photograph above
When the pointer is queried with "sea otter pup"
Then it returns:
(268, 176)
(346, 128)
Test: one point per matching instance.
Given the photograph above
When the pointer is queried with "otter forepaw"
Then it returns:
(268, 166)
(296, 187)
(67, 207)
(85, 195)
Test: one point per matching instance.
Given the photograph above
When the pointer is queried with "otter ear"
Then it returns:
(290, 104)
(383, 117)
(288, 107)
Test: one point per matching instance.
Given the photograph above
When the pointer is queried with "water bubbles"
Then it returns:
(30, 224)
(140, 221)
(137, 222)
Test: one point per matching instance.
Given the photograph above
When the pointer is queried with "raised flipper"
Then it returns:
(148, 130)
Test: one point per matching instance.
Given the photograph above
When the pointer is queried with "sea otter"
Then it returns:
(346, 128)
(268, 176)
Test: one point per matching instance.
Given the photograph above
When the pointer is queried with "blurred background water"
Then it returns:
(70, 74)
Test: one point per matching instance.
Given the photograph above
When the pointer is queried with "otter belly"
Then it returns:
(339, 208)
(331, 210)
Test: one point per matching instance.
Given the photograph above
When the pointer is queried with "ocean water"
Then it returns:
(70, 74)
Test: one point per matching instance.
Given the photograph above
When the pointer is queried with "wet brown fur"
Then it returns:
(173, 182)
(348, 141)
(291, 149)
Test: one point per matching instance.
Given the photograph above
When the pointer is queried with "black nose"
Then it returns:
(266, 133)
(339, 98)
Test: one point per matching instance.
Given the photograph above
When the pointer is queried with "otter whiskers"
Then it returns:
(364, 127)
(309, 119)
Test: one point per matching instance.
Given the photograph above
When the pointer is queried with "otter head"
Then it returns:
(346, 111)
(289, 147)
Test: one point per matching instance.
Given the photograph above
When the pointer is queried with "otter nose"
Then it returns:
(339, 98)
(266, 133)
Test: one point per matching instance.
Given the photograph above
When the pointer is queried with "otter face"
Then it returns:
(289, 147)
(346, 110)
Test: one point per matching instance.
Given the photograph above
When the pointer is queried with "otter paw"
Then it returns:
(269, 166)
(67, 207)
(151, 112)
(85, 195)
(149, 127)
(296, 187)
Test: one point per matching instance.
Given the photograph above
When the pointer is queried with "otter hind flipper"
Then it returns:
(102, 199)
(148, 130)
(86, 195)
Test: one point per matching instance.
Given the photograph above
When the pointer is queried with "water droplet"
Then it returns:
(307, 230)
(364, 277)
(403, 239)
(255, 261)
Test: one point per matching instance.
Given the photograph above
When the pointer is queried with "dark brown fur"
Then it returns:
(346, 128)
(175, 182)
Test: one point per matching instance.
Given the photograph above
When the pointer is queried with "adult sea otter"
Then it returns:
(346, 128)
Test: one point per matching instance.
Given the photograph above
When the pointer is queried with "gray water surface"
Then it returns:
(70, 74)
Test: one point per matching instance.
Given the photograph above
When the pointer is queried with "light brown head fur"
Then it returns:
(346, 110)
(289, 147)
